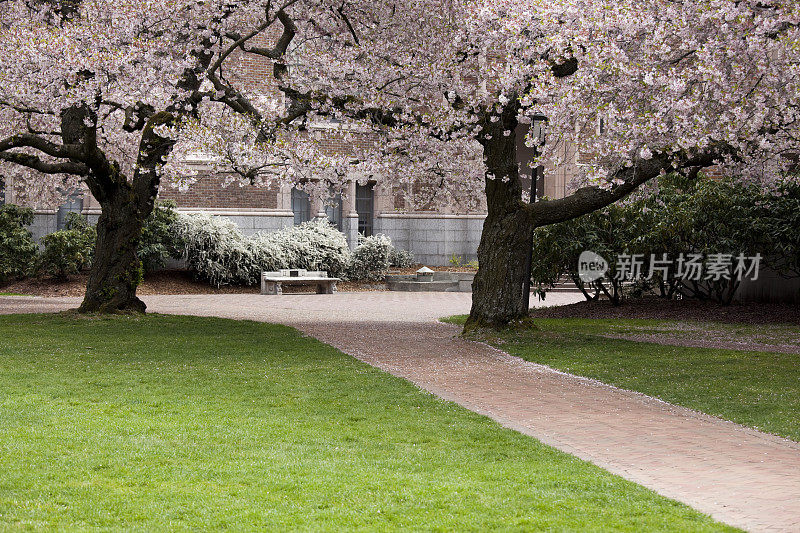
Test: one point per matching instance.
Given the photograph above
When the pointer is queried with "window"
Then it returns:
(301, 207)
(333, 208)
(74, 204)
(365, 207)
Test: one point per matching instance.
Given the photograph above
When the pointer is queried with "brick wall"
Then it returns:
(208, 193)
(254, 74)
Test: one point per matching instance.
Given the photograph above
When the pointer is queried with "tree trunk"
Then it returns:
(116, 270)
(498, 292)
(498, 296)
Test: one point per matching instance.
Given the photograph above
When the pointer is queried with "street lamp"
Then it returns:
(537, 133)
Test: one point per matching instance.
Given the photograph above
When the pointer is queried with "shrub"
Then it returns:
(159, 240)
(314, 245)
(778, 225)
(400, 258)
(215, 250)
(456, 260)
(78, 222)
(608, 232)
(679, 216)
(370, 258)
(268, 253)
(18, 250)
(68, 251)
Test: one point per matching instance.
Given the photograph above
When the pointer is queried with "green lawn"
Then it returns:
(757, 389)
(194, 423)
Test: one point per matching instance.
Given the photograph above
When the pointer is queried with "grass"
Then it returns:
(753, 388)
(10, 294)
(197, 423)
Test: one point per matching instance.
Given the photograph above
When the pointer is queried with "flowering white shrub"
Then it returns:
(371, 258)
(215, 249)
(268, 254)
(315, 245)
(400, 258)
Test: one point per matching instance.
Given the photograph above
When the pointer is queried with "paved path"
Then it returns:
(740, 476)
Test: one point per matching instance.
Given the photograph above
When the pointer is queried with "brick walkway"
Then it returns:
(740, 476)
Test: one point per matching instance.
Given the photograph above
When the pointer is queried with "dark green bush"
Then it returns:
(18, 250)
(608, 232)
(160, 240)
(68, 251)
(676, 216)
(779, 226)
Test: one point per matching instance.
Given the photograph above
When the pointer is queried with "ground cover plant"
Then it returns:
(201, 423)
(757, 385)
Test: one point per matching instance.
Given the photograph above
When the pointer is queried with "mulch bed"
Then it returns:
(659, 309)
(165, 282)
(413, 269)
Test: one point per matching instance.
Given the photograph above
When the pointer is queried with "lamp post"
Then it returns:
(537, 133)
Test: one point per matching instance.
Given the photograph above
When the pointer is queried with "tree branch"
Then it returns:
(588, 199)
(280, 48)
(27, 140)
(35, 163)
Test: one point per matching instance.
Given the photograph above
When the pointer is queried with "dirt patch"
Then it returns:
(743, 343)
(413, 269)
(680, 310)
(165, 282)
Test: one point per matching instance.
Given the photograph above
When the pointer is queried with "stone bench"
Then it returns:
(272, 282)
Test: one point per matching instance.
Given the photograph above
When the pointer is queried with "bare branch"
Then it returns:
(588, 199)
(35, 163)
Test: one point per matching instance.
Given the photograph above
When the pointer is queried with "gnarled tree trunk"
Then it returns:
(498, 292)
(116, 270)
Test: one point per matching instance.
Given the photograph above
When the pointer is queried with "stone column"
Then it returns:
(350, 215)
(285, 198)
(318, 208)
(91, 207)
(9, 190)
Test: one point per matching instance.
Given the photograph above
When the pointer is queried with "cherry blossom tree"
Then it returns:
(92, 90)
(108, 91)
(640, 87)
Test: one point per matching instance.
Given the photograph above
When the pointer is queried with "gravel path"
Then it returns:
(738, 475)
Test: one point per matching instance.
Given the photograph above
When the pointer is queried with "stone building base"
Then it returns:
(433, 239)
